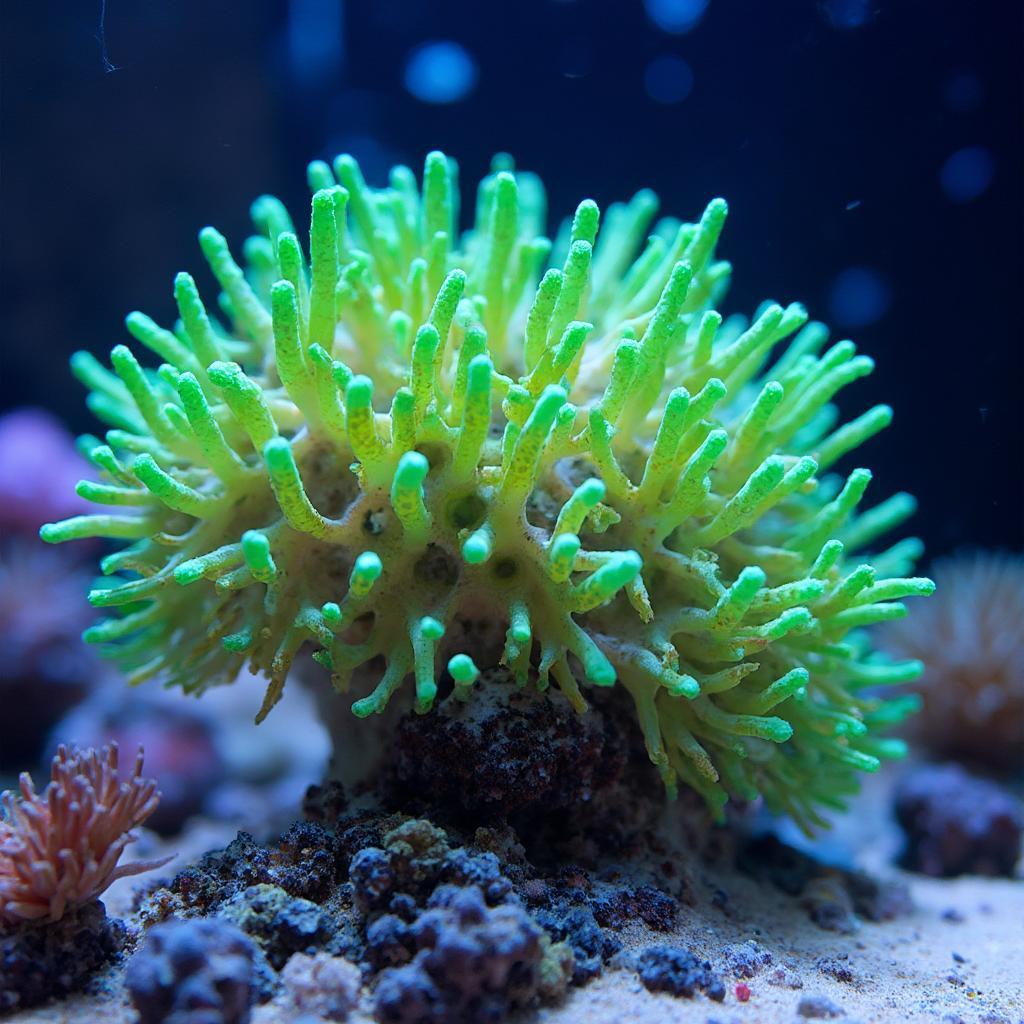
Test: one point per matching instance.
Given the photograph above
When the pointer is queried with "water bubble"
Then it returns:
(440, 72)
(668, 79)
(967, 173)
(859, 297)
(315, 38)
(847, 14)
(675, 16)
(964, 92)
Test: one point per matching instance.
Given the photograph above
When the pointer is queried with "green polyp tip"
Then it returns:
(319, 175)
(597, 668)
(365, 572)
(591, 491)
(430, 628)
(850, 728)
(278, 454)
(585, 222)
(563, 552)
(683, 686)
(891, 748)
(631, 563)
(366, 707)
(407, 494)
(222, 373)
(256, 549)
(238, 643)
(478, 546)
(714, 444)
(342, 376)
(463, 670)
(479, 379)
(519, 628)
(552, 398)
(412, 468)
(53, 533)
(750, 580)
(211, 240)
(776, 730)
(331, 613)
(359, 393)
(319, 355)
(605, 582)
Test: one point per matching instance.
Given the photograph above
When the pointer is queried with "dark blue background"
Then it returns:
(828, 143)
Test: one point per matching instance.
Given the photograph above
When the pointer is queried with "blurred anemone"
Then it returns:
(180, 741)
(970, 637)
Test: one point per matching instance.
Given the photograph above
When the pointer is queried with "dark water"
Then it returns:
(871, 153)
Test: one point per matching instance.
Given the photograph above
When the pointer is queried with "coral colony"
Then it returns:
(430, 456)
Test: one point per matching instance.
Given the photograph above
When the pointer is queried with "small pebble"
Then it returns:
(819, 1008)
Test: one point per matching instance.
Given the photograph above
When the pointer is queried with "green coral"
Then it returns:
(422, 450)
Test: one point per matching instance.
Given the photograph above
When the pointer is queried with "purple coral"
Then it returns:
(39, 468)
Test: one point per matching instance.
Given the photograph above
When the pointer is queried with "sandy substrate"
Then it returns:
(898, 971)
(957, 956)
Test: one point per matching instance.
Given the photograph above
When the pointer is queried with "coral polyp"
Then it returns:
(429, 452)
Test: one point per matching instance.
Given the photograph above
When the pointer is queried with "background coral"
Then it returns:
(670, 527)
(38, 469)
(46, 670)
(971, 642)
(957, 824)
(60, 848)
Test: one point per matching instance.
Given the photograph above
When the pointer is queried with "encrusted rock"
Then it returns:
(43, 961)
(473, 963)
(507, 750)
(280, 924)
(745, 959)
(677, 971)
(956, 823)
(193, 972)
(327, 986)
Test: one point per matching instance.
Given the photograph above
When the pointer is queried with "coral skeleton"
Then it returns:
(428, 452)
(60, 849)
